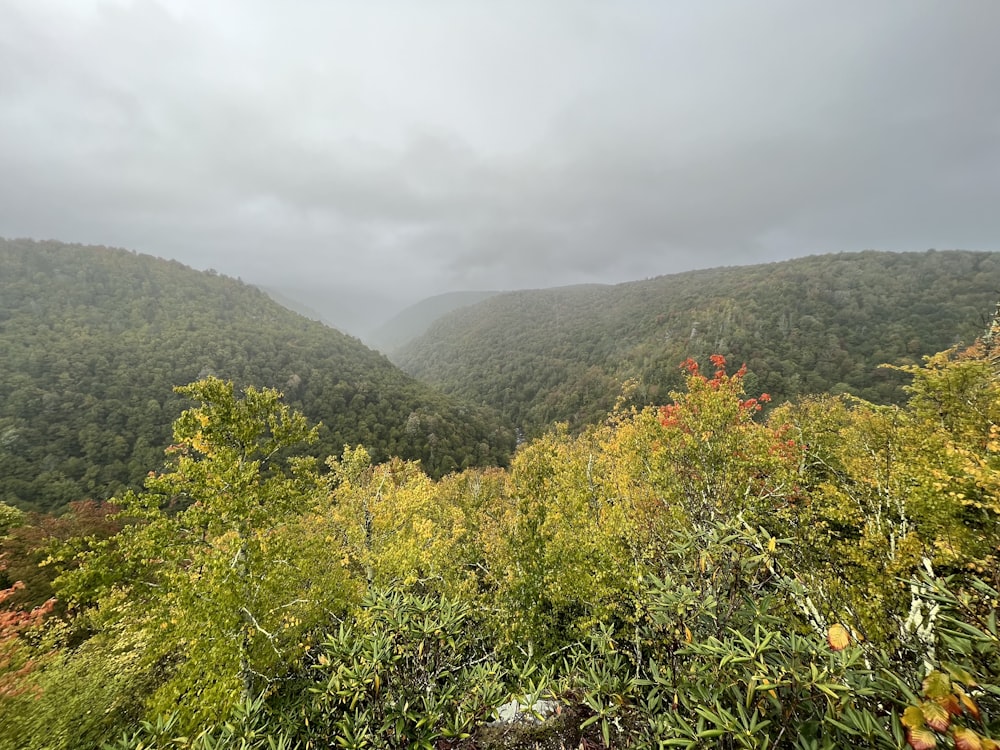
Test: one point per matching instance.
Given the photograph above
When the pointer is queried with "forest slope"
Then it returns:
(810, 325)
(93, 340)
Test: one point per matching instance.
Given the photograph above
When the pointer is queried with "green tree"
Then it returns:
(222, 568)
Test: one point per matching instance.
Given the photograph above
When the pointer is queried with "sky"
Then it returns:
(363, 155)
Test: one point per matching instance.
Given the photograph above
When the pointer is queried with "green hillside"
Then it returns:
(93, 340)
(811, 325)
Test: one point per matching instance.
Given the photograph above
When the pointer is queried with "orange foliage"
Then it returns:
(13, 622)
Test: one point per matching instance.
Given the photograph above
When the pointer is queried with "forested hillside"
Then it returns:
(812, 325)
(93, 340)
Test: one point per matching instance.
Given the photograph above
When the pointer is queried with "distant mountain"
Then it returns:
(350, 309)
(92, 341)
(416, 319)
(294, 305)
(815, 324)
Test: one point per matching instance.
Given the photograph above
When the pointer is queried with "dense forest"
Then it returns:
(820, 324)
(701, 574)
(93, 341)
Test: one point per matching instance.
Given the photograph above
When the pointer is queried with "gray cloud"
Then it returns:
(388, 151)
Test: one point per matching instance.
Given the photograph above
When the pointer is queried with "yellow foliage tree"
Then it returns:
(393, 525)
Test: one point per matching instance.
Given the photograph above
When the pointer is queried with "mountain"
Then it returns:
(814, 324)
(416, 319)
(294, 305)
(341, 305)
(92, 341)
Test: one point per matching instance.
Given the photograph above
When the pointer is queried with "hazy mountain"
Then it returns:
(295, 305)
(821, 323)
(92, 340)
(350, 309)
(416, 319)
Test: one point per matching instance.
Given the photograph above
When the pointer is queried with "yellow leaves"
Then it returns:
(198, 441)
(944, 701)
(838, 637)
(918, 735)
(397, 524)
(935, 716)
(969, 705)
(993, 442)
(936, 685)
(966, 739)
(912, 717)
(921, 738)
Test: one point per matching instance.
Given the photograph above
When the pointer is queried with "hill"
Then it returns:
(294, 305)
(815, 324)
(416, 319)
(93, 340)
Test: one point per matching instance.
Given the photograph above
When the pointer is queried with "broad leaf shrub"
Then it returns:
(409, 672)
(705, 672)
(250, 726)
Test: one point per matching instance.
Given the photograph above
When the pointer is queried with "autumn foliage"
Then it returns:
(714, 572)
(15, 663)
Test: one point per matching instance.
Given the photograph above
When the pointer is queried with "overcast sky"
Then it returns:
(405, 149)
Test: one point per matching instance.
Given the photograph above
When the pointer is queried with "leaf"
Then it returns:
(959, 674)
(950, 704)
(838, 637)
(936, 685)
(921, 738)
(966, 739)
(970, 706)
(912, 717)
(936, 716)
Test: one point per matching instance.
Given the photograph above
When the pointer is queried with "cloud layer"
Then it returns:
(402, 149)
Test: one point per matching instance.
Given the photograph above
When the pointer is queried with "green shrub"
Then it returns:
(409, 671)
(704, 670)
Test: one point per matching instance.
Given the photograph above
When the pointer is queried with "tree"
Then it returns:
(222, 568)
(889, 488)
(394, 525)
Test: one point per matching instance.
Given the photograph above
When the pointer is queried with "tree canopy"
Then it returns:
(820, 324)
(93, 341)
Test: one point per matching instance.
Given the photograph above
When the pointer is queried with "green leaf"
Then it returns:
(913, 717)
(960, 674)
(936, 685)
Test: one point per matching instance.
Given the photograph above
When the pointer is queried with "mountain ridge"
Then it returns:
(811, 324)
(93, 340)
